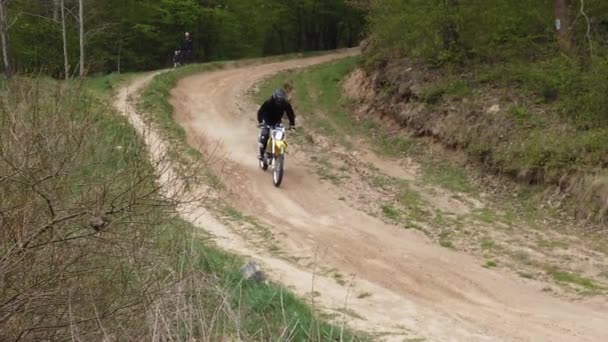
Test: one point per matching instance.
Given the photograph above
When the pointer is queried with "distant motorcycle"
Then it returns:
(275, 154)
(177, 58)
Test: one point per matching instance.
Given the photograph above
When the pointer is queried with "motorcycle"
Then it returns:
(177, 58)
(275, 154)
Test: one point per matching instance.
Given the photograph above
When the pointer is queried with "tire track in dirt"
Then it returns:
(416, 288)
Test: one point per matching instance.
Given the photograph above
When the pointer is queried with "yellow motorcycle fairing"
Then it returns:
(280, 146)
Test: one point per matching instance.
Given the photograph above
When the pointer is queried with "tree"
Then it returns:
(66, 64)
(563, 25)
(81, 36)
(56, 9)
(4, 26)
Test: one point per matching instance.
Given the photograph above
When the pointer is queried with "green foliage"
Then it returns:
(453, 89)
(441, 31)
(503, 41)
(567, 277)
(142, 34)
(559, 116)
(390, 212)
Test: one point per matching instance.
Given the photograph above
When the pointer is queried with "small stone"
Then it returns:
(97, 222)
(494, 109)
(252, 271)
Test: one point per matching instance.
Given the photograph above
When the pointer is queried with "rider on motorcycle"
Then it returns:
(270, 115)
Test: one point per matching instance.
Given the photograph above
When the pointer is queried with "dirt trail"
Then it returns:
(404, 286)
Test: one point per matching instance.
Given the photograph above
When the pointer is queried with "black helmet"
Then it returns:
(279, 96)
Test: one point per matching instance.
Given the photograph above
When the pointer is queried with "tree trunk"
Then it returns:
(563, 25)
(56, 9)
(119, 55)
(66, 64)
(4, 39)
(451, 36)
(81, 22)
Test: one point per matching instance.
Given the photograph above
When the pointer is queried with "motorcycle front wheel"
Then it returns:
(277, 174)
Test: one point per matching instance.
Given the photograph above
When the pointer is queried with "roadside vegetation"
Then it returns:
(520, 96)
(90, 250)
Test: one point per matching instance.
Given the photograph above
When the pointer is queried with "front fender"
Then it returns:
(280, 146)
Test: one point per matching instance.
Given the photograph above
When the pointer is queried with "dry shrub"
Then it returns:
(79, 213)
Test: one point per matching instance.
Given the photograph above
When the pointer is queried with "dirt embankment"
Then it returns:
(503, 131)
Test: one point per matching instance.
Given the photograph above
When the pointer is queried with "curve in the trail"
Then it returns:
(414, 285)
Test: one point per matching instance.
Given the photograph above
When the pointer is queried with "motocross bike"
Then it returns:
(177, 58)
(275, 154)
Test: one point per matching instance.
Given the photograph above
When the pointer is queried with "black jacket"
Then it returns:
(187, 44)
(271, 113)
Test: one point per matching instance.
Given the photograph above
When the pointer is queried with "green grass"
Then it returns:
(570, 278)
(485, 215)
(490, 264)
(390, 212)
(447, 176)
(445, 241)
(326, 171)
(413, 203)
(552, 244)
(488, 244)
(520, 113)
(455, 89)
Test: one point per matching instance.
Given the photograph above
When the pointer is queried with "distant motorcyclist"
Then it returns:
(270, 115)
(186, 49)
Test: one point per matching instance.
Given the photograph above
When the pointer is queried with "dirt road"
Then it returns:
(384, 279)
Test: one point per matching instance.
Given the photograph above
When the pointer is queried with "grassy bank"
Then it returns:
(498, 83)
(89, 250)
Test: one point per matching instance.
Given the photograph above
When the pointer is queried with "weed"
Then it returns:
(520, 114)
(390, 212)
(485, 215)
(526, 275)
(487, 244)
(444, 240)
(364, 295)
(446, 243)
(490, 264)
(447, 176)
(551, 244)
(567, 277)
(339, 278)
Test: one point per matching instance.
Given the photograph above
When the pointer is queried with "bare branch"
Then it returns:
(14, 21)
(99, 29)
(588, 33)
(51, 225)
